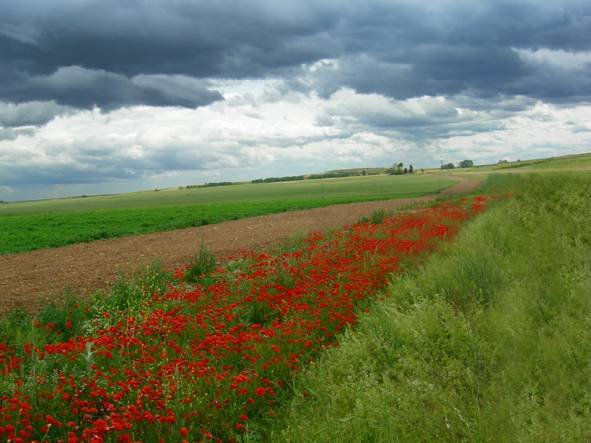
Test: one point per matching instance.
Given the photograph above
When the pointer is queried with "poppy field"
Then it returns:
(202, 355)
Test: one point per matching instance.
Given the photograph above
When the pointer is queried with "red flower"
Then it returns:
(260, 391)
(232, 342)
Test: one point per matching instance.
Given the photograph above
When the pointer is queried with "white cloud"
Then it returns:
(540, 131)
(383, 111)
(560, 58)
(263, 129)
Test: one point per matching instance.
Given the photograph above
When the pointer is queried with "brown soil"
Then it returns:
(31, 279)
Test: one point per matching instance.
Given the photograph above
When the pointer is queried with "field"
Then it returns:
(206, 353)
(488, 341)
(464, 320)
(27, 226)
(567, 162)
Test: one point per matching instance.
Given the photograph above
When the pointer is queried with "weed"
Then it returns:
(201, 265)
(128, 296)
(378, 216)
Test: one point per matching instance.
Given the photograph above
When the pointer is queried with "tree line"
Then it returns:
(462, 164)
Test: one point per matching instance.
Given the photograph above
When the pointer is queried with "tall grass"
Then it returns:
(489, 341)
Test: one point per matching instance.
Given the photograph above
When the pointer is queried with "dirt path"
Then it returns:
(31, 279)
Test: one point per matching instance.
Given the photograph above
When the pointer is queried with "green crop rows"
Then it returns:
(27, 226)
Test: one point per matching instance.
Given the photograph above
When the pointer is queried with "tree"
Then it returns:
(397, 169)
(410, 169)
(448, 166)
(466, 164)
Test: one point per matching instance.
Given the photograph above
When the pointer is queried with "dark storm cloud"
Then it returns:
(46, 46)
(446, 48)
(90, 52)
(86, 88)
(444, 70)
(32, 113)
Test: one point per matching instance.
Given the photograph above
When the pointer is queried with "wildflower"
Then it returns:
(219, 350)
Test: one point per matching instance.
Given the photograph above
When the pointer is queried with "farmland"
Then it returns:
(41, 224)
(475, 309)
(295, 221)
(204, 354)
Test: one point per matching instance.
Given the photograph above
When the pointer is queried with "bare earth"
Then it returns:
(31, 279)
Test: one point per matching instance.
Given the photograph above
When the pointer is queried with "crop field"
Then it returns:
(27, 226)
(203, 355)
(464, 320)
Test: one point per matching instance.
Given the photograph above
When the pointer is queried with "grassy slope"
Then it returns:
(577, 161)
(490, 340)
(33, 225)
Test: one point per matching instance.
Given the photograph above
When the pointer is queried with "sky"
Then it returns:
(102, 96)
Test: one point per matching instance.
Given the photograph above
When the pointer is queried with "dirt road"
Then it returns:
(31, 279)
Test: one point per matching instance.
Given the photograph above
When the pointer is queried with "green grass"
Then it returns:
(489, 341)
(383, 186)
(577, 161)
(27, 226)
